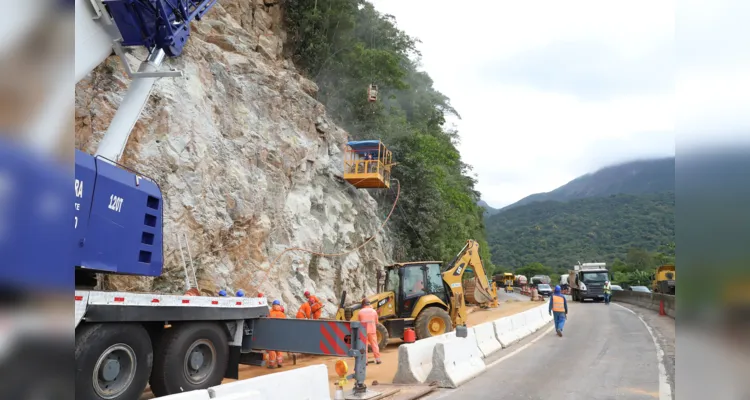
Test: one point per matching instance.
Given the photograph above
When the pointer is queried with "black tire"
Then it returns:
(425, 323)
(122, 355)
(383, 336)
(175, 370)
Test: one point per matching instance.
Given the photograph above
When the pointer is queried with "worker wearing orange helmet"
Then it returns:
(275, 358)
(368, 317)
(315, 305)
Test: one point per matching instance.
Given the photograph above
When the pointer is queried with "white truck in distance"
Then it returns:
(586, 281)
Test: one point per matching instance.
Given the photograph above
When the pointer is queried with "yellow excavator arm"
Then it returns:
(484, 290)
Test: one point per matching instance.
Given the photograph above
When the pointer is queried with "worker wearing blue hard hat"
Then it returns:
(559, 307)
(240, 293)
(275, 358)
(222, 293)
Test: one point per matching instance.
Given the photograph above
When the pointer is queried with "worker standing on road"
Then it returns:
(304, 312)
(607, 292)
(369, 318)
(559, 306)
(275, 358)
(315, 305)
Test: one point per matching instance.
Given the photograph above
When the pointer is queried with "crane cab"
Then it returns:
(372, 93)
(367, 164)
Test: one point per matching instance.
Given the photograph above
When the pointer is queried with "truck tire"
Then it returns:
(189, 356)
(113, 361)
(382, 336)
(432, 321)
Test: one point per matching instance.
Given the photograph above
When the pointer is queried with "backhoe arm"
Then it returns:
(468, 258)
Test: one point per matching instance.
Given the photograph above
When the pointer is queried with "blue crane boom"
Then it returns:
(161, 24)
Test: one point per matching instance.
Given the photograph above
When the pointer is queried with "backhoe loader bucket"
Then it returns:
(475, 294)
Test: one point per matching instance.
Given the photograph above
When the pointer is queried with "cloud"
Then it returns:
(547, 90)
(590, 70)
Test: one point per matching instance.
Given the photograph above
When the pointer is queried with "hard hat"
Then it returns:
(222, 292)
(276, 303)
(557, 289)
(307, 293)
(260, 295)
(240, 293)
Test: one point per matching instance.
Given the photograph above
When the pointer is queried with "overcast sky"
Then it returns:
(550, 90)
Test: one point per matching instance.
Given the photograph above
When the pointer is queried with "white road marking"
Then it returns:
(501, 359)
(665, 391)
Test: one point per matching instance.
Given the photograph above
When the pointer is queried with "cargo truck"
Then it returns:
(586, 281)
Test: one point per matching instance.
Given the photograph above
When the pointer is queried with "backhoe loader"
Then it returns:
(423, 296)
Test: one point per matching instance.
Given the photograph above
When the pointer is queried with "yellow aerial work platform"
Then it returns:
(367, 164)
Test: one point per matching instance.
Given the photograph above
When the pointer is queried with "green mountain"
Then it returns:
(488, 210)
(636, 177)
(598, 216)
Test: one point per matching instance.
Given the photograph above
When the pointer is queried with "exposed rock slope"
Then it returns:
(247, 162)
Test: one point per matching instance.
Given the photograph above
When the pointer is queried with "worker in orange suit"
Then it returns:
(304, 312)
(275, 358)
(368, 317)
(315, 305)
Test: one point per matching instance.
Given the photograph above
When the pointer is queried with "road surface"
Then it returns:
(606, 353)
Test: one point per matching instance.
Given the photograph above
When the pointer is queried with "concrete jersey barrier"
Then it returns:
(519, 325)
(533, 319)
(415, 359)
(455, 362)
(487, 340)
(194, 395)
(504, 331)
(651, 301)
(280, 385)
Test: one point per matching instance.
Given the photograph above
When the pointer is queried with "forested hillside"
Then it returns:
(558, 234)
(635, 177)
(346, 45)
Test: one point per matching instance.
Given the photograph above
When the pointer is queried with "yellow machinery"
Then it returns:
(367, 164)
(422, 296)
(663, 281)
(508, 279)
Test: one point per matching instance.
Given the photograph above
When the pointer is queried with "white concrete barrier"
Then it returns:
(308, 383)
(455, 362)
(534, 319)
(519, 325)
(194, 395)
(546, 316)
(504, 331)
(415, 359)
(486, 338)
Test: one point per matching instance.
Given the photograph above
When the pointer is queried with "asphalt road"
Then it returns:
(606, 353)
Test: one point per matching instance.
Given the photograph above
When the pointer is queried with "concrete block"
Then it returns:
(455, 362)
(504, 331)
(486, 338)
(415, 359)
(280, 385)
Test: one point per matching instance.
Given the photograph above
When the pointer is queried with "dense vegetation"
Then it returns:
(558, 234)
(346, 45)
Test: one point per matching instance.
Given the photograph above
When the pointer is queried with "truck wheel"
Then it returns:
(383, 336)
(113, 361)
(190, 356)
(431, 322)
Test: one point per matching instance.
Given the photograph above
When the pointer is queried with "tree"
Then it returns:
(534, 269)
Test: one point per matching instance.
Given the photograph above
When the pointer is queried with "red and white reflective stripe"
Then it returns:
(144, 299)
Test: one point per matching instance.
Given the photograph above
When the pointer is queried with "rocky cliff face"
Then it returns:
(247, 162)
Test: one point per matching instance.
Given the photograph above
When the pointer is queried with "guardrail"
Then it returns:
(652, 301)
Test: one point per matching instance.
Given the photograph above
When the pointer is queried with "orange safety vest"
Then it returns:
(368, 317)
(304, 311)
(276, 312)
(558, 303)
(316, 308)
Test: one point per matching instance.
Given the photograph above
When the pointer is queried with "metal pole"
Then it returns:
(184, 264)
(190, 257)
(113, 143)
